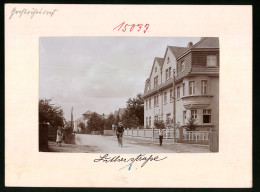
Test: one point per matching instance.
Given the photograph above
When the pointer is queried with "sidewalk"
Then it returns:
(169, 144)
(71, 148)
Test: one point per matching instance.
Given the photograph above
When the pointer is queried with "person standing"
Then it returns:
(160, 136)
(59, 136)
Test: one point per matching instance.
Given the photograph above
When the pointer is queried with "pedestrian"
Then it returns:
(59, 136)
(160, 136)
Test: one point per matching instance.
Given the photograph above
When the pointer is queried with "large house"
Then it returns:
(194, 73)
(84, 119)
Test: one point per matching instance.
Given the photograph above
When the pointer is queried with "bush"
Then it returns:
(159, 124)
(191, 124)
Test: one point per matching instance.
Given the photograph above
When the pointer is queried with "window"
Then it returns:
(156, 118)
(171, 95)
(155, 70)
(147, 122)
(194, 114)
(170, 74)
(182, 66)
(178, 92)
(184, 117)
(150, 103)
(146, 104)
(203, 87)
(168, 60)
(183, 89)
(156, 100)
(150, 121)
(165, 97)
(168, 118)
(166, 74)
(156, 81)
(206, 116)
(191, 88)
(211, 60)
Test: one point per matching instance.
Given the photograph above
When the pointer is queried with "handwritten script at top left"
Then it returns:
(31, 12)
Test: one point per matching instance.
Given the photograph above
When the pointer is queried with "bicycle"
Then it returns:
(120, 139)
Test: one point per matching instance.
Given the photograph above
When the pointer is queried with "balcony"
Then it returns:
(196, 101)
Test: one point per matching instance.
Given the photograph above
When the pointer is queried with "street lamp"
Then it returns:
(174, 107)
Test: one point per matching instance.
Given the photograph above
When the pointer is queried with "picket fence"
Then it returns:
(167, 134)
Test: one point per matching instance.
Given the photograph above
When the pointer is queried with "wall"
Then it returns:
(110, 132)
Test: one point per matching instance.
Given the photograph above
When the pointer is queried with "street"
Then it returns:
(108, 144)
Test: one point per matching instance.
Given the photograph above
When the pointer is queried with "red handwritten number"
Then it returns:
(146, 27)
(133, 26)
(121, 25)
(124, 25)
(140, 27)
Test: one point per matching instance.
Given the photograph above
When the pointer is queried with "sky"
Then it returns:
(98, 73)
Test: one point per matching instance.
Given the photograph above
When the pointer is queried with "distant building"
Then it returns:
(84, 119)
(195, 71)
(119, 112)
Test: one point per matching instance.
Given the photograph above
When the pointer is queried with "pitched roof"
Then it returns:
(177, 51)
(159, 60)
(204, 43)
(88, 113)
(207, 42)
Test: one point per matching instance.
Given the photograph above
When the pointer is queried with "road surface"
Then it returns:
(108, 144)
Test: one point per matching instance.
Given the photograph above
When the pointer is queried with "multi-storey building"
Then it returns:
(194, 72)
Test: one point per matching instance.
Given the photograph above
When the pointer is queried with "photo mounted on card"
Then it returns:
(123, 99)
(116, 96)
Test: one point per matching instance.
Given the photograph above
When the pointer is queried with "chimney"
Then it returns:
(189, 45)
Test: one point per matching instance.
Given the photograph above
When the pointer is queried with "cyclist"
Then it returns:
(119, 132)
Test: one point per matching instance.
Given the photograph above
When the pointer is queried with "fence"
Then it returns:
(148, 133)
(181, 135)
(196, 136)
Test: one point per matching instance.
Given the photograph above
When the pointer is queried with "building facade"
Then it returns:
(194, 73)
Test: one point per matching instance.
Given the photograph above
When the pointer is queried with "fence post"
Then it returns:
(180, 134)
(153, 133)
(214, 141)
(196, 134)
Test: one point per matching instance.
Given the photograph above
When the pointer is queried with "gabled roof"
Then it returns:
(204, 43)
(177, 51)
(87, 113)
(160, 62)
(207, 42)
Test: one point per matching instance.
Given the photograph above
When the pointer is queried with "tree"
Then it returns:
(191, 124)
(95, 122)
(109, 121)
(135, 107)
(50, 113)
(159, 124)
(82, 126)
(129, 120)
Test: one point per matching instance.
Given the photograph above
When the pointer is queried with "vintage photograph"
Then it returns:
(129, 94)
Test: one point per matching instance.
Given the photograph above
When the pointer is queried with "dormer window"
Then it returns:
(212, 61)
(182, 66)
